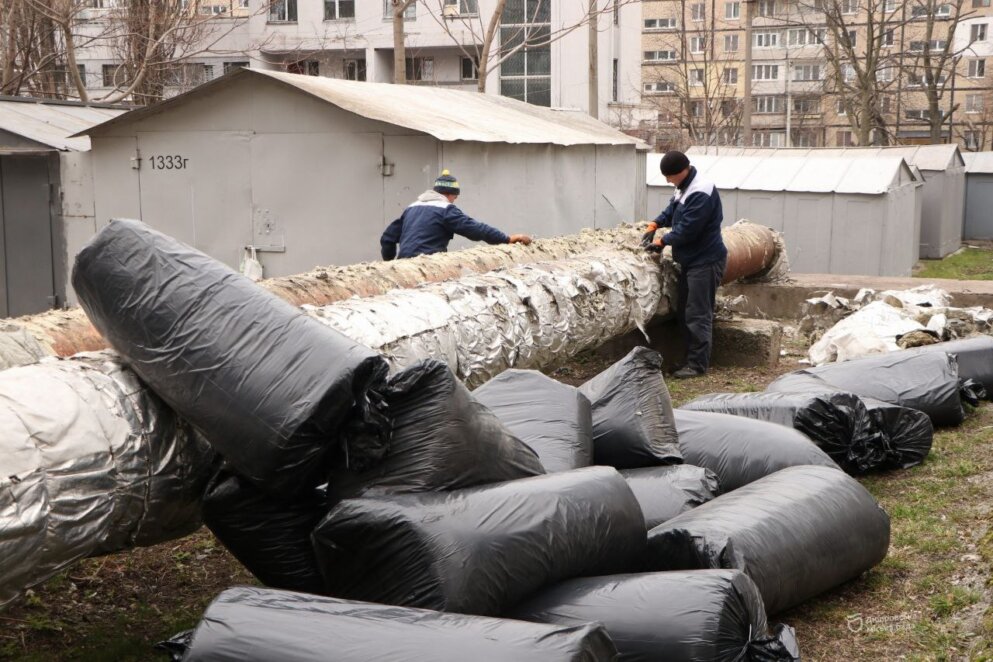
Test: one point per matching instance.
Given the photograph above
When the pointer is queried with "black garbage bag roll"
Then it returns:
(482, 549)
(974, 357)
(837, 422)
(552, 418)
(664, 492)
(443, 439)
(632, 413)
(797, 533)
(270, 388)
(268, 535)
(928, 382)
(741, 450)
(246, 624)
(693, 616)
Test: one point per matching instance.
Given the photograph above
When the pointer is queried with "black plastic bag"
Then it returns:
(797, 533)
(689, 616)
(974, 357)
(632, 413)
(480, 550)
(443, 439)
(908, 432)
(837, 422)
(270, 388)
(741, 450)
(926, 381)
(552, 418)
(664, 492)
(268, 535)
(246, 624)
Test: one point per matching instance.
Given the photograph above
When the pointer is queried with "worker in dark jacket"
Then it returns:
(428, 224)
(694, 215)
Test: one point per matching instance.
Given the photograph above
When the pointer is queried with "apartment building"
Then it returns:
(808, 78)
(353, 39)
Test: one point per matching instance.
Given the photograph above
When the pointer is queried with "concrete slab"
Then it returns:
(785, 301)
(747, 343)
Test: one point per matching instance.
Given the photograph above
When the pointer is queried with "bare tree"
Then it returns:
(30, 53)
(482, 40)
(976, 130)
(930, 61)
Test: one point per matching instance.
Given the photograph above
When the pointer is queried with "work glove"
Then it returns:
(655, 246)
(646, 239)
(520, 239)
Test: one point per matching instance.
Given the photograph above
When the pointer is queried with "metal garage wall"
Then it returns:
(943, 212)
(807, 223)
(979, 206)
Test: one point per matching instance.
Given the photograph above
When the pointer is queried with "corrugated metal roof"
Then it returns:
(446, 114)
(53, 124)
(978, 162)
(925, 157)
(866, 173)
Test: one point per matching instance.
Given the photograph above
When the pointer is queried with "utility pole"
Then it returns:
(746, 111)
(593, 78)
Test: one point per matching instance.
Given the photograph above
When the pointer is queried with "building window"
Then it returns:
(409, 14)
(923, 10)
(283, 11)
(765, 39)
(978, 4)
(849, 6)
(613, 81)
(660, 56)
(889, 5)
(885, 103)
(470, 68)
(729, 107)
(420, 68)
(696, 108)
(803, 138)
(977, 32)
(974, 103)
(841, 109)
(853, 38)
(696, 77)
(847, 72)
(465, 8)
(698, 11)
(767, 7)
(805, 36)
(730, 43)
(231, 66)
(660, 24)
(731, 76)
(887, 38)
(732, 10)
(765, 72)
(914, 114)
(660, 87)
(977, 68)
(885, 75)
(806, 105)
(767, 104)
(109, 73)
(527, 74)
(304, 67)
(81, 68)
(971, 139)
(802, 72)
(844, 139)
(768, 139)
(354, 70)
(339, 9)
(698, 44)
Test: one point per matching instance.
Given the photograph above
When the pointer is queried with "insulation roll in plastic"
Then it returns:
(664, 492)
(443, 439)
(714, 615)
(797, 533)
(268, 535)
(268, 386)
(974, 357)
(482, 549)
(553, 418)
(632, 413)
(928, 382)
(245, 624)
(91, 462)
(837, 422)
(741, 450)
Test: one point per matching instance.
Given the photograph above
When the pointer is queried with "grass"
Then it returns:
(967, 264)
(930, 599)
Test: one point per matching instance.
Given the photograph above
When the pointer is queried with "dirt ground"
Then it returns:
(929, 600)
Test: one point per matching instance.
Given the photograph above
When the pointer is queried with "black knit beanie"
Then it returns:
(673, 163)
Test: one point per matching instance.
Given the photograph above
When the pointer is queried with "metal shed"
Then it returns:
(978, 195)
(943, 192)
(43, 188)
(839, 215)
(309, 170)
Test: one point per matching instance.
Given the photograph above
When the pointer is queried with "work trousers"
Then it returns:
(697, 291)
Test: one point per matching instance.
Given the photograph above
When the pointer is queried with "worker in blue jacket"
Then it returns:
(428, 224)
(694, 216)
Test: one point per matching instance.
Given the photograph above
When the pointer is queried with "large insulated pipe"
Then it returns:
(752, 251)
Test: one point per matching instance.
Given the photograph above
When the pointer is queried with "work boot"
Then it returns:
(687, 373)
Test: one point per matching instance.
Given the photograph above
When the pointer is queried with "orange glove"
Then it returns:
(647, 238)
(656, 246)
(520, 239)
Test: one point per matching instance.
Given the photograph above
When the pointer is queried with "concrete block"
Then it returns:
(746, 343)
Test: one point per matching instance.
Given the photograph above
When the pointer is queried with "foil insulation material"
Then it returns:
(91, 462)
(529, 316)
